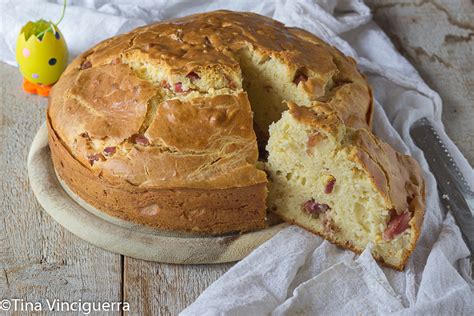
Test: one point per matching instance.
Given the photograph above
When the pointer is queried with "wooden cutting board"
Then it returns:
(116, 235)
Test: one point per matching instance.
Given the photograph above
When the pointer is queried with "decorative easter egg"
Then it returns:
(41, 52)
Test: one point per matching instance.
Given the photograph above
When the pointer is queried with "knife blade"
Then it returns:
(454, 191)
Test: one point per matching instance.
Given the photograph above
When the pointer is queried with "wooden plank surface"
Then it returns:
(166, 289)
(39, 259)
(437, 37)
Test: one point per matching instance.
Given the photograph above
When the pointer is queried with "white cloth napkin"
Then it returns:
(296, 272)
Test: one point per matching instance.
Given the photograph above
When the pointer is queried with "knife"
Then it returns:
(454, 191)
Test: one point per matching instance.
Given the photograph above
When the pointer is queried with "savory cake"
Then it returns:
(158, 126)
(344, 184)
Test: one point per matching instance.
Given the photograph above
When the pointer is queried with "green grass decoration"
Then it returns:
(40, 27)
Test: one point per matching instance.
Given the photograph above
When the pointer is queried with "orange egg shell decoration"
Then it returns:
(42, 61)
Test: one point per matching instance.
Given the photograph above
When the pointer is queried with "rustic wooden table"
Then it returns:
(39, 259)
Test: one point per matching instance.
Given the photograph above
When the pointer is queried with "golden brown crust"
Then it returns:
(398, 177)
(204, 143)
(208, 211)
(324, 118)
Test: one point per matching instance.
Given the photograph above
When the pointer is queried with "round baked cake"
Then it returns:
(162, 126)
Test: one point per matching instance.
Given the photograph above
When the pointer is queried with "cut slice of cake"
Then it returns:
(344, 184)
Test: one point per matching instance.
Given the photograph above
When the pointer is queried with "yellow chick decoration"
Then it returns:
(42, 55)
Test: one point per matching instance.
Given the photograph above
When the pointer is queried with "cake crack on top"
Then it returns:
(134, 50)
